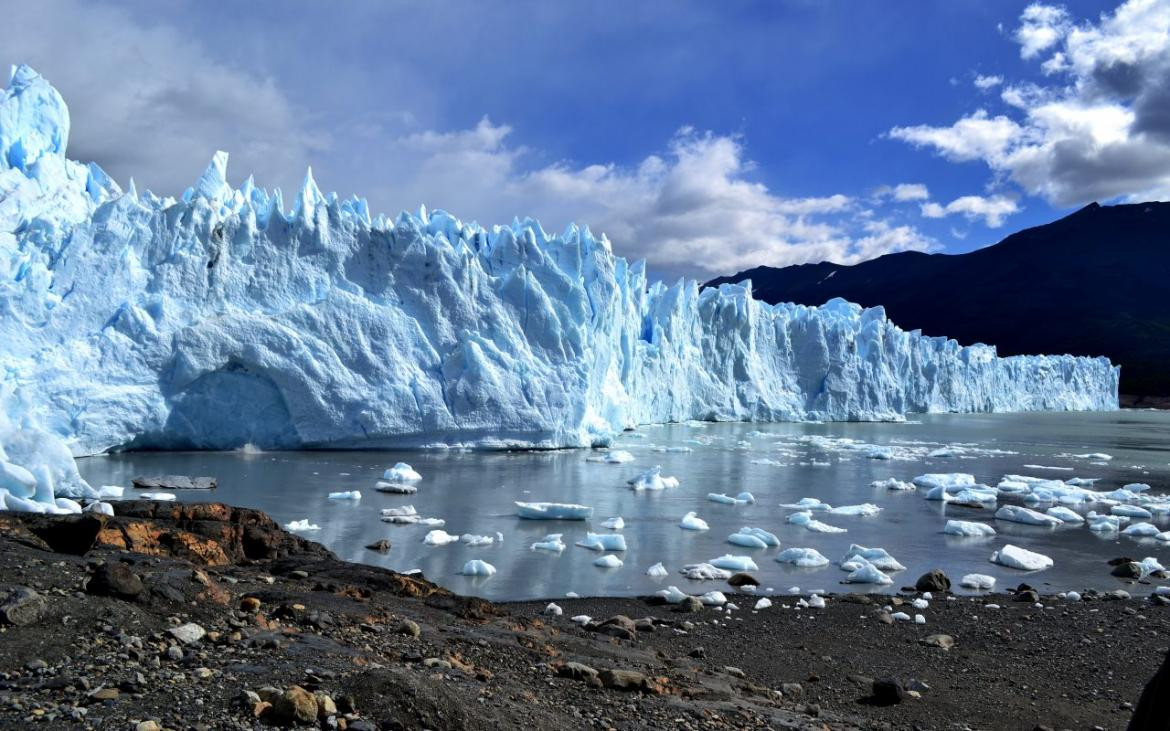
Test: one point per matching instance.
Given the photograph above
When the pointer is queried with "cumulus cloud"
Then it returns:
(993, 210)
(1098, 129)
(986, 83)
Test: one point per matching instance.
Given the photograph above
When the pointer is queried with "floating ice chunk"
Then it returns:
(614, 456)
(614, 523)
(347, 495)
(477, 567)
(396, 488)
(298, 525)
(99, 507)
(439, 538)
(551, 542)
(945, 480)
(879, 557)
(762, 603)
(734, 563)
(867, 573)
(401, 472)
(672, 594)
(657, 571)
(1049, 467)
(1141, 530)
(1151, 565)
(1015, 557)
(1131, 511)
(653, 480)
(805, 519)
(806, 558)
(1095, 456)
(713, 599)
(968, 528)
(1017, 514)
(753, 538)
(473, 540)
(1065, 515)
(900, 617)
(608, 561)
(1105, 523)
(1136, 487)
(808, 504)
(553, 511)
(864, 510)
(691, 521)
(165, 497)
(893, 483)
(110, 492)
(405, 510)
(603, 542)
(553, 610)
(744, 498)
(704, 572)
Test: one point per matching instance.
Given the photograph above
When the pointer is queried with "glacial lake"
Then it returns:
(474, 492)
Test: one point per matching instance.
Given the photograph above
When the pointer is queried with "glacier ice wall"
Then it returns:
(131, 320)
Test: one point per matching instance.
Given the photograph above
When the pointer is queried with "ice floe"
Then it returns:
(603, 542)
(552, 542)
(805, 519)
(704, 572)
(346, 495)
(744, 498)
(879, 557)
(657, 571)
(753, 538)
(401, 472)
(478, 567)
(1015, 557)
(1065, 515)
(439, 537)
(980, 582)
(734, 563)
(1017, 514)
(652, 480)
(395, 488)
(691, 521)
(609, 561)
(614, 523)
(614, 456)
(894, 484)
(968, 528)
(807, 558)
(553, 511)
(299, 525)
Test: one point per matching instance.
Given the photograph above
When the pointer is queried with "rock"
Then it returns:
(945, 642)
(626, 680)
(934, 580)
(645, 624)
(362, 724)
(174, 653)
(885, 618)
(741, 579)
(325, 705)
(1030, 595)
(917, 686)
(1153, 707)
(1120, 560)
(249, 604)
(734, 671)
(888, 692)
(409, 628)
(792, 690)
(116, 580)
(295, 706)
(382, 546)
(188, 634)
(579, 671)
(174, 482)
(619, 626)
(1116, 595)
(1129, 570)
(270, 694)
(23, 606)
(104, 694)
(1160, 600)
(690, 604)
(148, 726)
(437, 663)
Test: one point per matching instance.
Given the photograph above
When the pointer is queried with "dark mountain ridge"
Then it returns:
(1096, 282)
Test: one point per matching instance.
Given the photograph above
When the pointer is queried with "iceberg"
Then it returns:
(968, 529)
(753, 538)
(603, 542)
(608, 561)
(553, 511)
(878, 557)
(395, 488)
(476, 567)
(614, 523)
(805, 558)
(439, 538)
(299, 525)
(1016, 514)
(866, 573)
(734, 563)
(652, 479)
(616, 456)
(347, 495)
(691, 521)
(704, 572)
(1015, 557)
(1065, 515)
(552, 542)
(657, 571)
(893, 483)
(401, 472)
(804, 518)
(131, 318)
(744, 498)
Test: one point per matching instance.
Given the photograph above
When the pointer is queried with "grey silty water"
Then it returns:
(475, 493)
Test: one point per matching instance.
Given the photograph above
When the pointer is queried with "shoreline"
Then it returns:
(108, 643)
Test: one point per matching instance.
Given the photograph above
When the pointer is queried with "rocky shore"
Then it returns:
(205, 616)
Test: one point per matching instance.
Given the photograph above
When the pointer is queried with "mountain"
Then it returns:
(1092, 283)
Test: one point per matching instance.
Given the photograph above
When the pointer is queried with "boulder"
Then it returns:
(114, 579)
(295, 706)
(933, 580)
(23, 606)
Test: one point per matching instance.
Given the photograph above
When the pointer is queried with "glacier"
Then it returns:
(227, 317)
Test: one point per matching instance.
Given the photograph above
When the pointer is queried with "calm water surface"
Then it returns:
(475, 491)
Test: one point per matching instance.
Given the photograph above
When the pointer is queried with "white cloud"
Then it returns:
(993, 210)
(986, 83)
(1100, 130)
(911, 192)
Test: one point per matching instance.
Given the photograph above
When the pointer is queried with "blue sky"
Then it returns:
(705, 137)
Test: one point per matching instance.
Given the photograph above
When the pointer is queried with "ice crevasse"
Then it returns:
(232, 316)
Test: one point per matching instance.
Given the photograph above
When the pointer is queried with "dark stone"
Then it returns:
(741, 579)
(698, 652)
(382, 545)
(174, 482)
(944, 642)
(114, 579)
(1121, 560)
(580, 672)
(627, 680)
(1031, 596)
(1129, 570)
(690, 604)
(934, 580)
(23, 606)
(888, 692)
